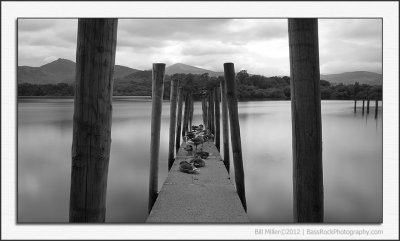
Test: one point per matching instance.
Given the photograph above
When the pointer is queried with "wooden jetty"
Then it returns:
(206, 197)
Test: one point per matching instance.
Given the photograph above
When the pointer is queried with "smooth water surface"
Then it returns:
(352, 160)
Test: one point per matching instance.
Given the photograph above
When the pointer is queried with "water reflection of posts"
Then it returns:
(363, 106)
(225, 127)
(172, 122)
(179, 118)
(231, 96)
(306, 120)
(355, 105)
(217, 92)
(95, 59)
(156, 109)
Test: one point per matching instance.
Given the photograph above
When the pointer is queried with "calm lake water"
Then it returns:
(352, 160)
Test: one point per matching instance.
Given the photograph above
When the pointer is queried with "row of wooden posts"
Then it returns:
(95, 59)
(363, 105)
(178, 128)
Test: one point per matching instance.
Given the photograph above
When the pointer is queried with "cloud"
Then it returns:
(258, 45)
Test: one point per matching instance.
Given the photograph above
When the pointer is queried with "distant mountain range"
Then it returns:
(63, 71)
(362, 77)
(59, 71)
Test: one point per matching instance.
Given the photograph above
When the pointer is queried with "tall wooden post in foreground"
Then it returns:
(172, 122)
(225, 127)
(230, 83)
(91, 139)
(217, 96)
(156, 109)
(306, 121)
(179, 119)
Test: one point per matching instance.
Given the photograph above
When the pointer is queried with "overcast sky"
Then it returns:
(258, 45)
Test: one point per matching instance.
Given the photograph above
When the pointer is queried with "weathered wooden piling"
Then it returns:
(368, 105)
(376, 108)
(156, 109)
(355, 105)
(204, 109)
(179, 118)
(231, 96)
(212, 112)
(191, 106)
(208, 111)
(363, 106)
(91, 139)
(225, 127)
(172, 122)
(217, 93)
(306, 120)
(186, 115)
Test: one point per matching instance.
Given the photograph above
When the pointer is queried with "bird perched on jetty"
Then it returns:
(187, 167)
(201, 127)
(197, 141)
(198, 162)
(202, 154)
(190, 135)
(188, 148)
(195, 128)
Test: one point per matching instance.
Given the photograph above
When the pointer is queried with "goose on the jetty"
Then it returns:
(197, 141)
(188, 148)
(198, 162)
(187, 167)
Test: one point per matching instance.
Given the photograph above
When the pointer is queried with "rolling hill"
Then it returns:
(59, 71)
(362, 77)
(180, 68)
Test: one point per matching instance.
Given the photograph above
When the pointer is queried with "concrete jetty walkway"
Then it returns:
(206, 197)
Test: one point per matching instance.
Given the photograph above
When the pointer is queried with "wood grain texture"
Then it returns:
(225, 125)
(306, 120)
(95, 59)
(172, 121)
(231, 96)
(156, 111)
(179, 118)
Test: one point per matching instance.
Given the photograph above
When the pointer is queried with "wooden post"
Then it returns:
(91, 138)
(363, 107)
(179, 119)
(191, 109)
(156, 109)
(172, 122)
(230, 83)
(212, 113)
(185, 115)
(217, 117)
(306, 120)
(355, 105)
(376, 108)
(225, 127)
(204, 108)
(368, 105)
(209, 111)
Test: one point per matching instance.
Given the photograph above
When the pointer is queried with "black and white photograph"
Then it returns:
(266, 120)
